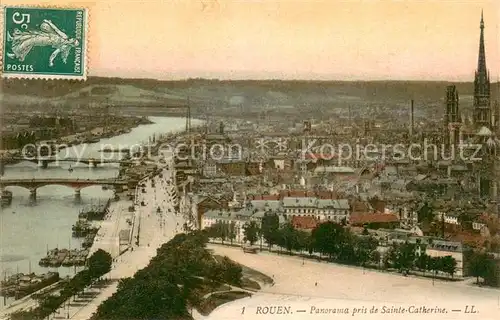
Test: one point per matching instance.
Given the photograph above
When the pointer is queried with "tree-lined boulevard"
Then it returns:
(337, 243)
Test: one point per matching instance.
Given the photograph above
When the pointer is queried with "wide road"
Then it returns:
(319, 286)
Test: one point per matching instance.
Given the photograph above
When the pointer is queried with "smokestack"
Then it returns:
(411, 118)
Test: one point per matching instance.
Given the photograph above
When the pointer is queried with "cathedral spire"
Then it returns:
(482, 112)
(481, 63)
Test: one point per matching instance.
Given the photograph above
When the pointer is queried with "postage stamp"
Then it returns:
(47, 43)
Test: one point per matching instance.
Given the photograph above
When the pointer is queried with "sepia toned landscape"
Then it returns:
(224, 160)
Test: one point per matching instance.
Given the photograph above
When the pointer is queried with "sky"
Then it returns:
(289, 39)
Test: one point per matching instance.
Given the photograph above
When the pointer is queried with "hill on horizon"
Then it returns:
(250, 92)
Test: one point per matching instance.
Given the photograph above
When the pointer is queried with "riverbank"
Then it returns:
(150, 230)
(28, 227)
(94, 135)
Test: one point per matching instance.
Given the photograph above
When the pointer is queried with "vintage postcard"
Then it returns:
(238, 159)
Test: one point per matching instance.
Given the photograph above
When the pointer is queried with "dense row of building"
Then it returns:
(449, 204)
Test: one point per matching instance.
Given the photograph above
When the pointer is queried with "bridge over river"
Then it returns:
(77, 184)
(91, 162)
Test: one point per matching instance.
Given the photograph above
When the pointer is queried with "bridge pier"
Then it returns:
(92, 164)
(78, 193)
(33, 193)
(43, 164)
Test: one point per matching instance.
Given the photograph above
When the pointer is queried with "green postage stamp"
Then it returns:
(44, 43)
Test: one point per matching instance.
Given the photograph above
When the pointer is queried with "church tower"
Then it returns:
(452, 119)
(482, 108)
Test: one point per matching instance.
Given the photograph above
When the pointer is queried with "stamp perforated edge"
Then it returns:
(85, 46)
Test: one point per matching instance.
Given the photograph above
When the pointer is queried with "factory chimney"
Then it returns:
(411, 118)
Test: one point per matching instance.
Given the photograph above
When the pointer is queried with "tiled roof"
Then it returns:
(327, 195)
(299, 202)
(266, 197)
(304, 222)
(270, 197)
(360, 219)
(474, 240)
(334, 204)
(360, 206)
(266, 204)
(297, 193)
(309, 193)
(377, 204)
(245, 212)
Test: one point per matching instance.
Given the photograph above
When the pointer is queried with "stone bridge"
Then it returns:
(91, 162)
(77, 184)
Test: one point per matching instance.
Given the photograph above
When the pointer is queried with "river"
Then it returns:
(28, 228)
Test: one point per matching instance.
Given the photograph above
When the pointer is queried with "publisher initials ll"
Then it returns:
(470, 309)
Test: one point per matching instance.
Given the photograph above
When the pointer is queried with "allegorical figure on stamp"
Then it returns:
(49, 35)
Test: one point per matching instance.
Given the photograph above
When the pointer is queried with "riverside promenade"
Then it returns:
(154, 229)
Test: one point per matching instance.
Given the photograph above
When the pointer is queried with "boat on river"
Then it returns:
(89, 240)
(82, 228)
(76, 257)
(54, 258)
(20, 285)
(94, 212)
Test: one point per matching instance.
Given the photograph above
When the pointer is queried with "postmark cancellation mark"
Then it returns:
(47, 43)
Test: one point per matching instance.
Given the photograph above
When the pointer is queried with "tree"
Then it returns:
(176, 278)
(219, 230)
(364, 248)
(422, 262)
(390, 256)
(426, 213)
(376, 257)
(230, 272)
(251, 232)
(405, 258)
(449, 265)
(222, 230)
(232, 231)
(435, 264)
(484, 265)
(478, 265)
(99, 264)
(304, 241)
(288, 237)
(269, 228)
(328, 238)
(491, 276)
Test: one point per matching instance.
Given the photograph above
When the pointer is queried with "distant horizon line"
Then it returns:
(283, 79)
